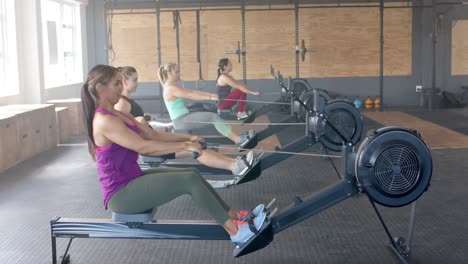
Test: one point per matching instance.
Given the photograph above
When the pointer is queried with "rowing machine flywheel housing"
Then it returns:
(393, 166)
(298, 87)
(339, 115)
(308, 99)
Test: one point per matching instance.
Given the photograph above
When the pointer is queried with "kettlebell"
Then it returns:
(377, 102)
(369, 103)
(357, 102)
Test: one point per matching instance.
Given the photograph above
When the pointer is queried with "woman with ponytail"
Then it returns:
(238, 166)
(182, 119)
(225, 84)
(115, 139)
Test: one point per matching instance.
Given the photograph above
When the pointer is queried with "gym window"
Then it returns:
(61, 36)
(8, 50)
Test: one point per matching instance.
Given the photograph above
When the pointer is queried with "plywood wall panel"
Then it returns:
(270, 30)
(134, 44)
(398, 41)
(346, 39)
(460, 47)
(188, 46)
(223, 31)
(168, 40)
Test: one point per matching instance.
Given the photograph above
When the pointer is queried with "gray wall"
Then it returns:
(398, 90)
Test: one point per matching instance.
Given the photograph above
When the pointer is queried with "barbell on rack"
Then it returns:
(302, 50)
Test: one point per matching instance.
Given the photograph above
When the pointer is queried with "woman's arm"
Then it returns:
(174, 137)
(177, 91)
(148, 133)
(226, 79)
(113, 130)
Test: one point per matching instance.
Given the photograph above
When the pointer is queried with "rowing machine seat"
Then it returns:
(224, 112)
(182, 131)
(152, 160)
(158, 126)
(143, 217)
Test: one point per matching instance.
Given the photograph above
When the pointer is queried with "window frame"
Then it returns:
(9, 79)
(57, 75)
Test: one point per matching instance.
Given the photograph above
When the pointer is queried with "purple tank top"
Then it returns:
(116, 165)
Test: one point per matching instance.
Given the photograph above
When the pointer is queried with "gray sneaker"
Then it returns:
(243, 164)
(246, 137)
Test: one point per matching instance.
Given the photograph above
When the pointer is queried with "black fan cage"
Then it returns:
(344, 121)
(397, 170)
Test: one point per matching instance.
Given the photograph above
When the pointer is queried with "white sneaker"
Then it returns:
(244, 233)
(250, 157)
(246, 137)
(243, 164)
(242, 115)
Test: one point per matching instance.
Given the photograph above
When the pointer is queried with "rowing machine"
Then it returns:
(302, 99)
(393, 167)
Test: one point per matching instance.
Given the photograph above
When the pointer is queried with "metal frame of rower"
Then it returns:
(293, 99)
(294, 95)
(312, 134)
(196, 230)
(298, 145)
(298, 211)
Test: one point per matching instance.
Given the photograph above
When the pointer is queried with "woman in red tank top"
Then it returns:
(228, 98)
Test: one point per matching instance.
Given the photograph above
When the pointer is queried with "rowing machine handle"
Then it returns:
(195, 155)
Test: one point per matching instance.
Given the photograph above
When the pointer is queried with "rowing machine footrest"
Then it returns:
(158, 126)
(250, 118)
(251, 174)
(262, 239)
(143, 217)
(251, 144)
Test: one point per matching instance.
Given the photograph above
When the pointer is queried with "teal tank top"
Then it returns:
(176, 108)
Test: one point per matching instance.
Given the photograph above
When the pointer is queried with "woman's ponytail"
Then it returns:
(221, 64)
(89, 99)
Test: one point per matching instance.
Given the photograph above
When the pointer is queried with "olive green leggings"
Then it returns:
(158, 186)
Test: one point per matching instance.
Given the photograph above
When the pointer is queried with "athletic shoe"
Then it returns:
(242, 115)
(257, 156)
(245, 138)
(244, 233)
(243, 164)
(242, 215)
(249, 157)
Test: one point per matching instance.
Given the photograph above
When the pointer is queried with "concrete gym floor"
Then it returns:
(63, 182)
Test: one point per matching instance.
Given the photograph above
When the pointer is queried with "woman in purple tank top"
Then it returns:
(114, 141)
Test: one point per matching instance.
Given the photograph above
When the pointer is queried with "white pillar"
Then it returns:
(30, 59)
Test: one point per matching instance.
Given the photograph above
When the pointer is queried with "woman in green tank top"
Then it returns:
(182, 118)
(209, 158)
